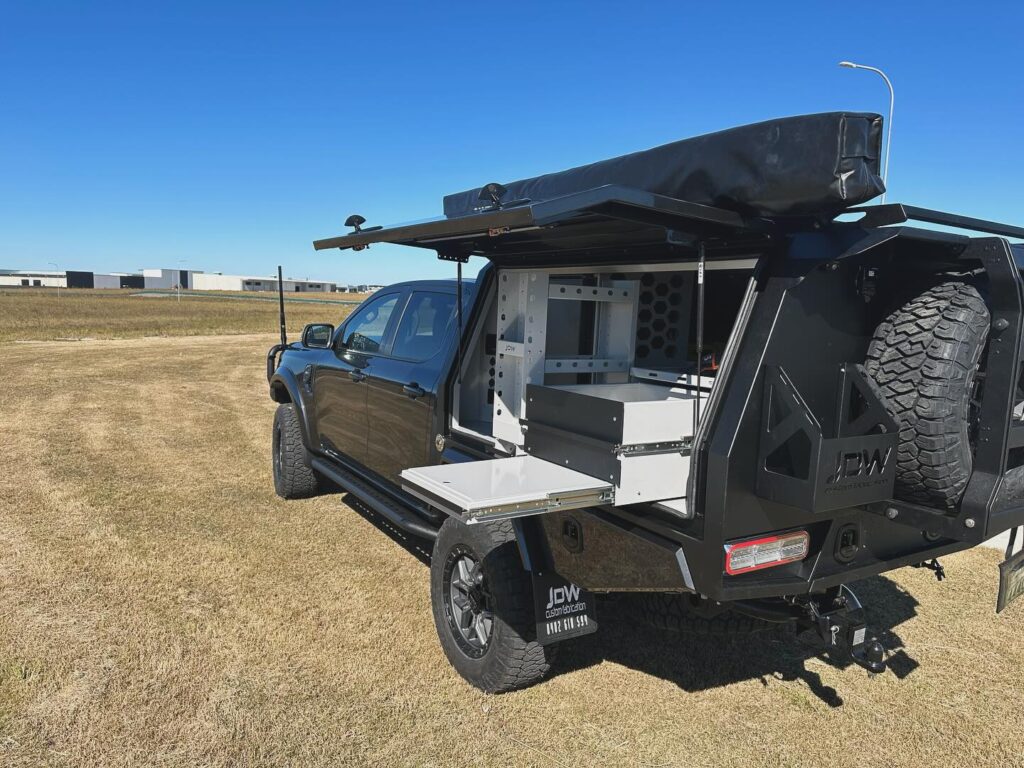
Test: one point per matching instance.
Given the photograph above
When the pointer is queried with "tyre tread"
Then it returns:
(671, 612)
(297, 479)
(924, 357)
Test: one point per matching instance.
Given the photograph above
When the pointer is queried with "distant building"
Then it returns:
(78, 279)
(115, 280)
(168, 278)
(212, 281)
(25, 278)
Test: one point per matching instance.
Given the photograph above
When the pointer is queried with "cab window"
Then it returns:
(365, 331)
(424, 326)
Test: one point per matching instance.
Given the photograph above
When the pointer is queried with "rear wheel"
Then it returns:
(294, 477)
(925, 358)
(482, 601)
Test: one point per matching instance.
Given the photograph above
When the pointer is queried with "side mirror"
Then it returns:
(317, 335)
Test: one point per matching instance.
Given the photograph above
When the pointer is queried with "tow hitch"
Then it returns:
(935, 566)
(840, 622)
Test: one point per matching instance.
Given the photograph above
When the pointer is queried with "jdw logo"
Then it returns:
(559, 595)
(853, 464)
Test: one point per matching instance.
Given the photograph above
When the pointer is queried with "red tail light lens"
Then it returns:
(766, 552)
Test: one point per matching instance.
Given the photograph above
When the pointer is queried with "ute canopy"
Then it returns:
(813, 166)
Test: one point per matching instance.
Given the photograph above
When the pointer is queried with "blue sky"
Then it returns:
(228, 136)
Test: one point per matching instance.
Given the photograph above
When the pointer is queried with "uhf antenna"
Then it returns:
(280, 304)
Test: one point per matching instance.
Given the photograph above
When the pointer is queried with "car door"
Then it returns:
(402, 384)
(339, 383)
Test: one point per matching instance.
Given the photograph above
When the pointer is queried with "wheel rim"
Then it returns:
(468, 604)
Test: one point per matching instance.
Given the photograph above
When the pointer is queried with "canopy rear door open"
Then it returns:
(800, 167)
(498, 489)
(604, 217)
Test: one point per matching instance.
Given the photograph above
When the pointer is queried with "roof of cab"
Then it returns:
(437, 286)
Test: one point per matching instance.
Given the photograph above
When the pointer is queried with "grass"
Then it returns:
(159, 605)
(106, 314)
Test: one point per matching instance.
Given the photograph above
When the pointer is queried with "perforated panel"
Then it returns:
(663, 319)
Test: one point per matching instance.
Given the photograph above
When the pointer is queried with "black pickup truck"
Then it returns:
(703, 372)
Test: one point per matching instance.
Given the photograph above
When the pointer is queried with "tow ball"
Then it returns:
(840, 622)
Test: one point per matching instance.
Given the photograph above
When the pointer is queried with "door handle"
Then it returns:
(356, 375)
(414, 390)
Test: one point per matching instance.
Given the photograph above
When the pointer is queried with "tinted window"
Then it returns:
(421, 334)
(365, 331)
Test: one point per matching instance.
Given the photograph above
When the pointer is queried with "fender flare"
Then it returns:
(285, 379)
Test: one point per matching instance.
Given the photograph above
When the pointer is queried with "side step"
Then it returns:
(387, 508)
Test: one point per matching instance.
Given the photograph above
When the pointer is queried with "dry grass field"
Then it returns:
(39, 314)
(159, 605)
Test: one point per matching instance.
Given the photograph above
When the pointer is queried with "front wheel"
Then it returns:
(294, 477)
(482, 601)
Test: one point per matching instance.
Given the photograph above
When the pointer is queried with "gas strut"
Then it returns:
(458, 310)
(700, 330)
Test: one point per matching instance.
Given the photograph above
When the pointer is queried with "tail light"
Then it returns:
(766, 552)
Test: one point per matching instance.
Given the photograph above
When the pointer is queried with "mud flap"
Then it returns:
(1011, 575)
(562, 609)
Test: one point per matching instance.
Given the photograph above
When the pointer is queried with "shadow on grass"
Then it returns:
(695, 663)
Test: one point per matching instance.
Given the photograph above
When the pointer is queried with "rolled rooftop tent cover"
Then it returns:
(810, 165)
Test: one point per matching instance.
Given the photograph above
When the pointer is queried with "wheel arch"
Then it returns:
(284, 389)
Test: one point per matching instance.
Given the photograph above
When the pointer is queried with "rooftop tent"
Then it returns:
(795, 166)
(712, 185)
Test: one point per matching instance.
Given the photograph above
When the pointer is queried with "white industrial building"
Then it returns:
(214, 281)
(25, 278)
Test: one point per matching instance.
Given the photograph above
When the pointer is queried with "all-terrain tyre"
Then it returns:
(482, 601)
(924, 358)
(673, 613)
(294, 477)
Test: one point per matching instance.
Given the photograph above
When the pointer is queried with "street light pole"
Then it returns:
(56, 267)
(888, 132)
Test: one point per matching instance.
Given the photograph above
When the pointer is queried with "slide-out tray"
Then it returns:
(502, 488)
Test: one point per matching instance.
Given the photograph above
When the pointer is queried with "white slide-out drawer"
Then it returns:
(502, 488)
